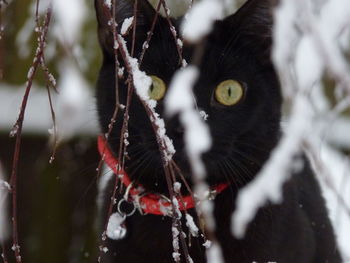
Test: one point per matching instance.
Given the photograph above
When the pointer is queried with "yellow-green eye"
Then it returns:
(229, 92)
(157, 89)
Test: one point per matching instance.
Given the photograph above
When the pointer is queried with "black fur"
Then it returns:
(243, 136)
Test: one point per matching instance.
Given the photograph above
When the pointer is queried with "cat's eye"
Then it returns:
(157, 89)
(229, 92)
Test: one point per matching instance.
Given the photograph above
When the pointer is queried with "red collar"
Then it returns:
(149, 203)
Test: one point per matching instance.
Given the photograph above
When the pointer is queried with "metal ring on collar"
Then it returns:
(123, 213)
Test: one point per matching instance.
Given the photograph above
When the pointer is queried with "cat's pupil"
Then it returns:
(229, 92)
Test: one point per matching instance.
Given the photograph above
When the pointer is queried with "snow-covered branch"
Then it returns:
(309, 39)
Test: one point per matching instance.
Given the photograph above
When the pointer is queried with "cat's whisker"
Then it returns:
(137, 162)
(249, 158)
(148, 161)
(243, 168)
(258, 145)
(229, 175)
(236, 173)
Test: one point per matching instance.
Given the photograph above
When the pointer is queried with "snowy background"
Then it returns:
(57, 201)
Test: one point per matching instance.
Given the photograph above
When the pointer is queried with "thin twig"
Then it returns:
(173, 31)
(17, 129)
(150, 33)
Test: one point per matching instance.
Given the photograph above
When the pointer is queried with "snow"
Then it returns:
(142, 82)
(214, 254)
(108, 3)
(120, 72)
(334, 175)
(114, 229)
(207, 244)
(267, 186)
(179, 42)
(180, 100)
(179, 96)
(309, 64)
(177, 187)
(200, 19)
(306, 44)
(126, 25)
(283, 50)
(176, 208)
(191, 225)
(204, 115)
(197, 139)
(307, 37)
(176, 255)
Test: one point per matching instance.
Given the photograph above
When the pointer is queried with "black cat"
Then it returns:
(239, 90)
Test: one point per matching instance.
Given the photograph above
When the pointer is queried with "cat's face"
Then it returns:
(237, 88)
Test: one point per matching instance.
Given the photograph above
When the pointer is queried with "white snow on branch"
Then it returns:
(108, 3)
(191, 225)
(267, 186)
(214, 253)
(334, 176)
(180, 100)
(126, 25)
(307, 43)
(200, 19)
(309, 64)
(142, 84)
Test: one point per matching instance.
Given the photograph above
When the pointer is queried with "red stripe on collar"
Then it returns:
(149, 203)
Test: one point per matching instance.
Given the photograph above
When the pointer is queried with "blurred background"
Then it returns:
(57, 202)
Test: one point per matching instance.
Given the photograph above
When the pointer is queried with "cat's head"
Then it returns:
(237, 88)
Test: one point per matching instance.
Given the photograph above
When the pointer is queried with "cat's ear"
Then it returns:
(253, 26)
(123, 9)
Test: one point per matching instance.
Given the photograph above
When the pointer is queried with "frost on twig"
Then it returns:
(308, 45)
